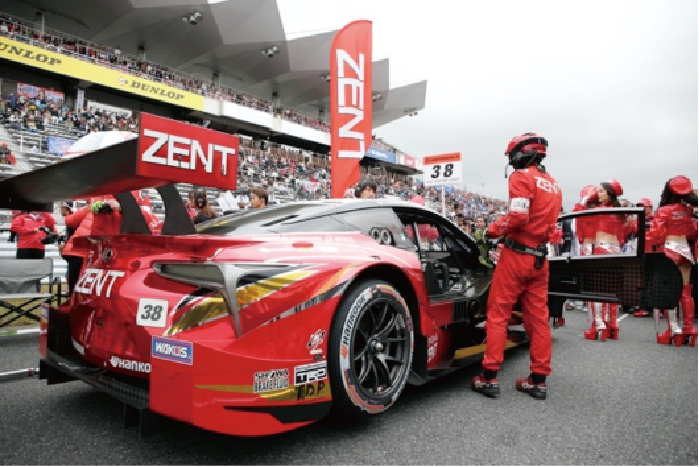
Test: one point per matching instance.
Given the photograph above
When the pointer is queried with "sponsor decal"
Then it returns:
(19, 52)
(172, 350)
(354, 314)
(315, 342)
(272, 380)
(350, 103)
(132, 365)
(312, 391)
(98, 282)
(178, 152)
(183, 152)
(547, 186)
(80, 349)
(432, 347)
(382, 236)
(152, 312)
(310, 373)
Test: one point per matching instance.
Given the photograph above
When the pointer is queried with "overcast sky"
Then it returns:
(611, 84)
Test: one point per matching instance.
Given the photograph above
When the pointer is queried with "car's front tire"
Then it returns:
(370, 350)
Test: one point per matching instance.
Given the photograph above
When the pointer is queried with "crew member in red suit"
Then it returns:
(647, 204)
(29, 234)
(91, 221)
(522, 272)
(13, 234)
(610, 234)
(671, 231)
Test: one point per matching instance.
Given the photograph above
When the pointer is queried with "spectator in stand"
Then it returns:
(206, 212)
(367, 190)
(259, 198)
(4, 154)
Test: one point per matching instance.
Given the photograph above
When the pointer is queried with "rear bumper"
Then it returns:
(203, 394)
(59, 369)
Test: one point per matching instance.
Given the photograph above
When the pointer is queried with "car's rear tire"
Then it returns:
(370, 350)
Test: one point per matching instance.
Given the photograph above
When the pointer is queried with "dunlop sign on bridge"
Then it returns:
(65, 65)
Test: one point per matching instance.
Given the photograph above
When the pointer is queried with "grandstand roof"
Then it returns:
(228, 39)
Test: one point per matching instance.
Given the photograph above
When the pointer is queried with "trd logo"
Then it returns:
(183, 153)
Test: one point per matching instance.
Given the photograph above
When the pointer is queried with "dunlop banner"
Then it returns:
(73, 67)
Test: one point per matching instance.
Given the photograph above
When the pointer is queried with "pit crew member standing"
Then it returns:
(29, 235)
(671, 230)
(522, 271)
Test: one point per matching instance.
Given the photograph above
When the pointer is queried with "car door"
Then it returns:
(456, 282)
(631, 278)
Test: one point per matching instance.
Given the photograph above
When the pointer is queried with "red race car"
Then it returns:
(258, 322)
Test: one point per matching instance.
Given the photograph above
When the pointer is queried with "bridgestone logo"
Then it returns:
(353, 314)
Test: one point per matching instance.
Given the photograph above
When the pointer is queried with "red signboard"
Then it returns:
(183, 153)
(408, 161)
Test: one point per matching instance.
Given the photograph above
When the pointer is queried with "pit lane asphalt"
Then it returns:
(617, 402)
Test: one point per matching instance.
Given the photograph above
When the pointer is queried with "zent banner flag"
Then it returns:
(350, 103)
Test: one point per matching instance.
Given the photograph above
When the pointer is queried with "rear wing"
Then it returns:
(165, 152)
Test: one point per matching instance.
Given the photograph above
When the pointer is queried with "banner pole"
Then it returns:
(444, 202)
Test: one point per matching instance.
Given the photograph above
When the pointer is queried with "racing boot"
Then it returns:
(689, 331)
(527, 385)
(612, 323)
(598, 329)
(487, 387)
(673, 334)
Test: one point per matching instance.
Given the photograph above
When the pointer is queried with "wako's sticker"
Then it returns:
(172, 350)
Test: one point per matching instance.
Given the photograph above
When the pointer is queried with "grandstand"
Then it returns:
(275, 102)
(290, 165)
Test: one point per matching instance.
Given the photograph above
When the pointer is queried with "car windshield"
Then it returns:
(268, 220)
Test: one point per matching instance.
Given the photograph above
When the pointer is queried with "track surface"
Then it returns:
(617, 402)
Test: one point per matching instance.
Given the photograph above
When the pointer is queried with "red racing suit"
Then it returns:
(26, 227)
(88, 223)
(535, 202)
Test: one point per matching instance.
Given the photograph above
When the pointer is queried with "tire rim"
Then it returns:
(379, 350)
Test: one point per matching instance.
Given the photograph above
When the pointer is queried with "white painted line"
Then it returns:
(19, 332)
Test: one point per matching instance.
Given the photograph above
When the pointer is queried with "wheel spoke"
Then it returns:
(384, 313)
(387, 329)
(383, 376)
(360, 354)
(367, 366)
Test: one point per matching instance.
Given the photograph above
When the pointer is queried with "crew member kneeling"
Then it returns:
(522, 271)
